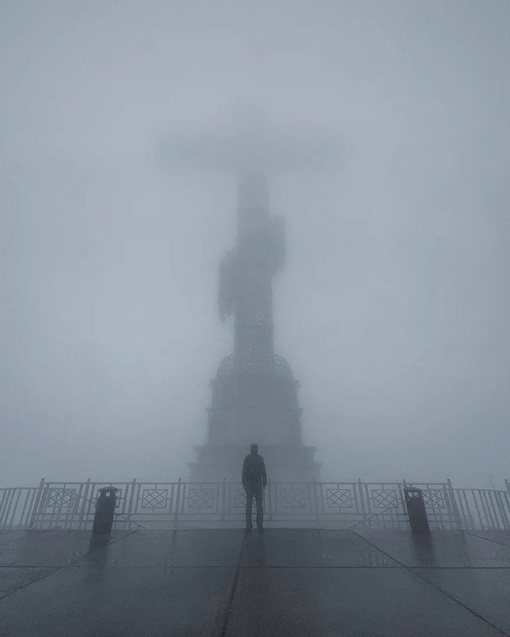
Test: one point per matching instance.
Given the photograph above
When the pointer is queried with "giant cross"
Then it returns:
(254, 392)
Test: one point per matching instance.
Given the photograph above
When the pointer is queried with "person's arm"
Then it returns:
(263, 472)
(243, 479)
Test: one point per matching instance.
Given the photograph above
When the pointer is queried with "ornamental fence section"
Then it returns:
(171, 505)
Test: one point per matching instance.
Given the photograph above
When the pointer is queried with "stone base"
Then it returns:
(283, 463)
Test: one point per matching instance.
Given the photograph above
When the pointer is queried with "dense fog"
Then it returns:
(393, 305)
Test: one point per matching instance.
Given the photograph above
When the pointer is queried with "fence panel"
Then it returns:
(483, 509)
(16, 507)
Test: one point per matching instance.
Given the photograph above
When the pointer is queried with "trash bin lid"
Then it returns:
(412, 490)
(108, 490)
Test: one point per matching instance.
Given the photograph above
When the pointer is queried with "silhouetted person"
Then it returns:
(254, 481)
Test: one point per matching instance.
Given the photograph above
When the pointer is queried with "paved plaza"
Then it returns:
(286, 582)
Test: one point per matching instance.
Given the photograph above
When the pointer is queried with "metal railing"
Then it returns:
(166, 505)
(17, 505)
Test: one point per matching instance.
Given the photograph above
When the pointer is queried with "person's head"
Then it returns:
(254, 448)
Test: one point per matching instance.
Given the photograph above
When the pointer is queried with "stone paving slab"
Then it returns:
(12, 578)
(137, 584)
(142, 602)
(485, 590)
(503, 537)
(213, 547)
(445, 549)
(11, 536)
(48, 548)
(317, 602)
(313, 548)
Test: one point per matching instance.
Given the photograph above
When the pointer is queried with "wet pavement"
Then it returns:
(286, 582)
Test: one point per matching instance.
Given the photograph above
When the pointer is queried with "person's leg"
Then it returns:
(260, 512)
(249, 502)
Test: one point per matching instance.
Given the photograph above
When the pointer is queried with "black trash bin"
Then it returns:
(105, 510)
(416, 512)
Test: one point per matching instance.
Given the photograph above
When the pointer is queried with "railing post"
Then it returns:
(453, 503)
(316, 503)
(177, 504)
(223, 500)
(362, 501)
(130, 505)
(37, 503)
(401, 489)
(81, 512)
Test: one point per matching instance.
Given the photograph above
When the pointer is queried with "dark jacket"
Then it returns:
(254, 469)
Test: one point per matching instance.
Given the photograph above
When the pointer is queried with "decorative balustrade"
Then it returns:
(166, 505)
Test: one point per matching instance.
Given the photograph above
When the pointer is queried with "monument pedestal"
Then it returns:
(254, 400)
(283, 463)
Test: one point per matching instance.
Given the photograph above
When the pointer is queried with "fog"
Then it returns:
(392, 307)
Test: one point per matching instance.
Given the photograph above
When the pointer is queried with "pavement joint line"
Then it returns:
(28, 583)
(222, 631)
(55, 566)
(438, 588)
(243, 579)
(399, 566)
(22, 537)
(169, 566)
(481, 537)
(277, 566)
(59, 568)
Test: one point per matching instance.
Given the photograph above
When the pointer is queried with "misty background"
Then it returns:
(392, 308)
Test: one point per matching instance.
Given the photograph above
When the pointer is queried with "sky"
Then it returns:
(392, 308)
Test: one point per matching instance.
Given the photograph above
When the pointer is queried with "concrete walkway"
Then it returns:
(286, 582)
